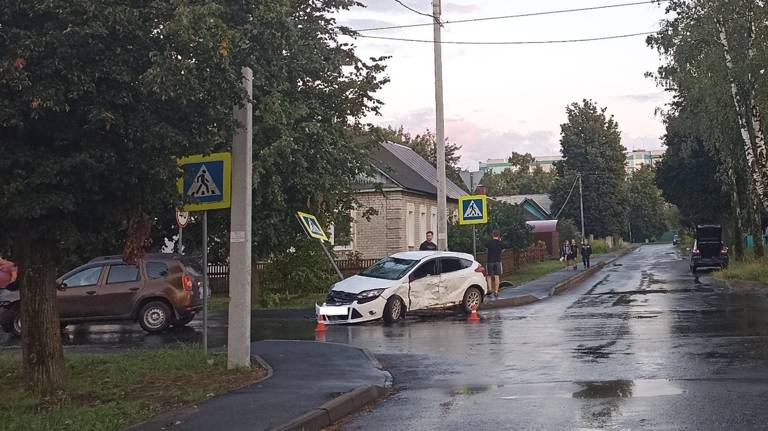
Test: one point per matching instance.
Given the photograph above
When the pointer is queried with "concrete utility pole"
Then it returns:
(442, 205)
(239, 331)
(581, 204)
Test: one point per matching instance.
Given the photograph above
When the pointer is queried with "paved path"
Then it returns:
(306, 375)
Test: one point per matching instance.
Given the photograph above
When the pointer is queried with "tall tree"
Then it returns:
(591, 146)
(98, 99)
(645, 205)
(522, 177)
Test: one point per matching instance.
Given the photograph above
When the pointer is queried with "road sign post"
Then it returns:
(313, 230)
(473, 209)
(206, 182)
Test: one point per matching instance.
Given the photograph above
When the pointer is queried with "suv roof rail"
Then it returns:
(101, 258)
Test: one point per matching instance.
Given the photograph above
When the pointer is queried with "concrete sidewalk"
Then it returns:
(552, 283)
(312, 385)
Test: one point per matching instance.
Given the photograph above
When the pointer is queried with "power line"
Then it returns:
(522, 15)
(568, 198)
(414, 10)
(518, 42)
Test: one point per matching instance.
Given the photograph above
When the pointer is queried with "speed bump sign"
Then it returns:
(473, 209)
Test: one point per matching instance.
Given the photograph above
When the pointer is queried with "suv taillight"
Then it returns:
(696, 252)
(186, 281)
(724, 251)
(481, 269)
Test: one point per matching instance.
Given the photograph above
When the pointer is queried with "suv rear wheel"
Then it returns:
(183, 321)
(155, 316)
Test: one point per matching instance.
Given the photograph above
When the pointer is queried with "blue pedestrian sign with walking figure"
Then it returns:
(206, 181)
(473, 209)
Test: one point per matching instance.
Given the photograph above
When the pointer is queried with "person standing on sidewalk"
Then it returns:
(428, 245)
(574, 254)
(586, 252)
(565, 254)
(493, 263)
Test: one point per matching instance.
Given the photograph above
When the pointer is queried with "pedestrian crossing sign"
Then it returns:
(473, 209)
(205, 181)
(312, 226)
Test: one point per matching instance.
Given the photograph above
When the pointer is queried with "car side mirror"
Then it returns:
(62, 286)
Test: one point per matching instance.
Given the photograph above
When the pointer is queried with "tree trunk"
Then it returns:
(756, 168)
(756, 224)
(43, 355)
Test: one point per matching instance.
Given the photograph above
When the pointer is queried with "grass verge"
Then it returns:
(220, 304)
(114, 390)
(532, 272)
(746, 270)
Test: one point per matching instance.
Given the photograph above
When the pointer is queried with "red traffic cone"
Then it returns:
(473, 316)
(320, 324)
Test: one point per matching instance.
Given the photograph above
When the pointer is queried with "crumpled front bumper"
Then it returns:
(351, 313)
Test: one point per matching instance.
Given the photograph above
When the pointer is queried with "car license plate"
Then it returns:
(332, 311)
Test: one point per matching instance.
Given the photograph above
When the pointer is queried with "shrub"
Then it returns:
(599, 246)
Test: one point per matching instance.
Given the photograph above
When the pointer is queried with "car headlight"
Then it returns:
(369, 295)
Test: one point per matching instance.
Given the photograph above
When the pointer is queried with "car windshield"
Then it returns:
(390, 268)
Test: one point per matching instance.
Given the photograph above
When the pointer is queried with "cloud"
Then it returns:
(460, 8)
(657, 96)
(479, 143)
(361, 23)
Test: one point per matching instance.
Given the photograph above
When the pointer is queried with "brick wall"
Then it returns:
(387, 232)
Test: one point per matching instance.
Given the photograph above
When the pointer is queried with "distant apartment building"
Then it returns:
(635, 159)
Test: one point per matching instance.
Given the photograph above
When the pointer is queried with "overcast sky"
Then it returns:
(500, 99)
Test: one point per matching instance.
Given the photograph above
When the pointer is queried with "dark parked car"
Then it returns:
(158, 291)
(708, 250)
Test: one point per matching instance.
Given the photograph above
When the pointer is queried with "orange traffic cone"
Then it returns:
(473, 316)
(320, 324)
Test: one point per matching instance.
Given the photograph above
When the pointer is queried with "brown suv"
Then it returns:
(158, 291)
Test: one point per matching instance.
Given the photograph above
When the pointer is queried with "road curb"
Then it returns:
(574, 281)
(336, 409)
(557, 289)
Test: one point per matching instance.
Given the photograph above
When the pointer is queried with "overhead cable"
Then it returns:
(522, 15)
(516, 42)
(418, 12)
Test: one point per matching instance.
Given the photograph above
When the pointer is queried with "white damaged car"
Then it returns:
(408, 281)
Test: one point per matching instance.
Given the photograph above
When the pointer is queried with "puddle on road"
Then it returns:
(626, 389)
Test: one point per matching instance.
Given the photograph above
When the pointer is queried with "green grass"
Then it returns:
(747, 270)
(115, 390)
(532, 272)
(220, 304)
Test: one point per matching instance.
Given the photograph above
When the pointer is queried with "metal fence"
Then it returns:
(218, 274)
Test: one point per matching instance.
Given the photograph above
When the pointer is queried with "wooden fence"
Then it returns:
(218, 274)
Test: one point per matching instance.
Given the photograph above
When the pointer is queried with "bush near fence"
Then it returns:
(218, 274)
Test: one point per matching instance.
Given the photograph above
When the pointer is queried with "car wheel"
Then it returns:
(16, 324)
(155, 316)
(178, 323)
(473, 297)
(394, 310)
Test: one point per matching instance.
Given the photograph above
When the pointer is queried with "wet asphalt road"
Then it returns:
(641, 345)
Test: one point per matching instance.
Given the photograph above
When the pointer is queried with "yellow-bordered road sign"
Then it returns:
(473, 209)
(312, 226)
(206, 181)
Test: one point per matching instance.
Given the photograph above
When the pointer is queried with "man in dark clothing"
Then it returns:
(586, 252)
(493, 263)
(428, 245)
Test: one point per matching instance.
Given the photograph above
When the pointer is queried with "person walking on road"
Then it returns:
(493, 263)
(8, 274)
(565, 254)
(574, 254)
(428, 245)
(586, 252)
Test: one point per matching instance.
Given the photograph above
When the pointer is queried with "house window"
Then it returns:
(410, 225)
(345, 241)
(423, 222)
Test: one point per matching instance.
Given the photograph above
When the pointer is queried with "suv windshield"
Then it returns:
(389, 268)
